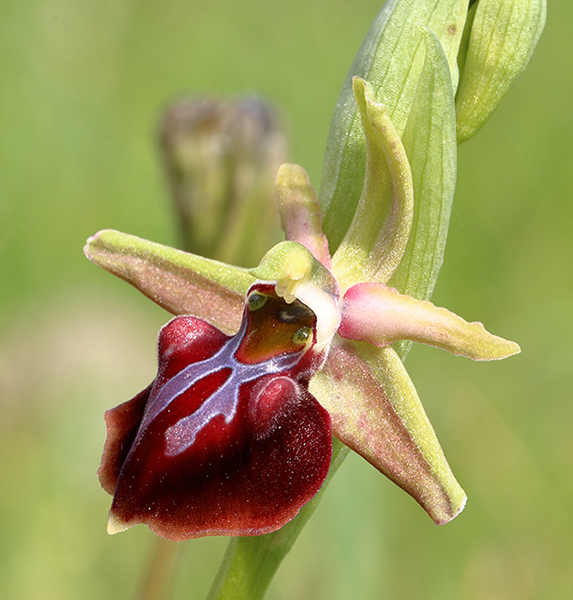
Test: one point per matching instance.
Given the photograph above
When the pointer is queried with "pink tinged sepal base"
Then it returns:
(376, 411)
(227, 440)
(179, 282)
(380, 315)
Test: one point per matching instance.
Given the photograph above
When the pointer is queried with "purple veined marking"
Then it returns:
(180, 436)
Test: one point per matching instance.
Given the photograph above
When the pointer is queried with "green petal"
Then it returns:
(391, 59)
(375, 410)
(380, 315)
(180, 282)
(300, 211)
(503, 37)
(430, 142)
(376, 240)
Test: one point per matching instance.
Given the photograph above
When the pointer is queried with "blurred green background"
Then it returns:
(82, 85)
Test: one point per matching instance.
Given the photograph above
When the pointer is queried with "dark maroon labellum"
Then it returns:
(227, 440)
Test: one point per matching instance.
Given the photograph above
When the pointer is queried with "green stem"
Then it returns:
(158, 577)
(250, 563)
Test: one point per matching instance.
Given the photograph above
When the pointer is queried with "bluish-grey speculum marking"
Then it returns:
(180, 436)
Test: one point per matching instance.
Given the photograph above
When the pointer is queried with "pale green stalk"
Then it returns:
(394, 71)
(157, 579)
(250, 563)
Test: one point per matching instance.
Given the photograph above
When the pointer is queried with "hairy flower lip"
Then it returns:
(172, 463)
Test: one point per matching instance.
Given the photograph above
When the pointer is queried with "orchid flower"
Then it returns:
(233, 436)
(260, 366)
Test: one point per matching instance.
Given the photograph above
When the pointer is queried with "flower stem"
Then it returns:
(250, 563)
(158, 577)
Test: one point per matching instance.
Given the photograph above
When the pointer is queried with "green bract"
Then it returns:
(500, 39)
(391, 59)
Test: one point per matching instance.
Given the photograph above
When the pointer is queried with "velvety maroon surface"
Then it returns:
(245, 471)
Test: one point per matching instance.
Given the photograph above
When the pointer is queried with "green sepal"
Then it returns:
(375, 410)
(180, 282)
(380, 315)
(376, 240)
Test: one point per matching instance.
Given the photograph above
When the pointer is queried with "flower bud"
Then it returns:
(501, 39)
(221, 158)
